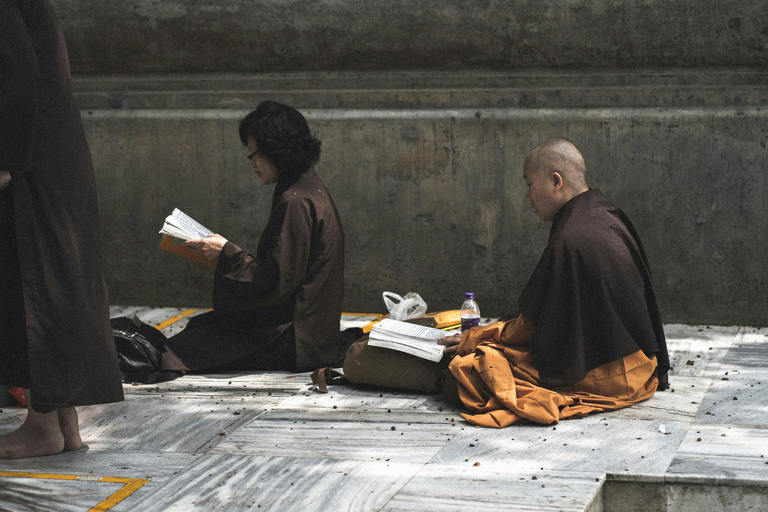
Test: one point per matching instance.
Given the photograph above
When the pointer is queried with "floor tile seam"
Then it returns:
(228, 430)
(204, 396)
(437, 425)
(714, 374)
(297, 460)
(533, 470)
(286, 414)
(676, 452)
(755, 426)
(405, 484)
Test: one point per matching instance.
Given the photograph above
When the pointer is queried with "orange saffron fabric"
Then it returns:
(499, 384)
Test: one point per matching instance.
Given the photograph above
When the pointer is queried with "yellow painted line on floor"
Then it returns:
(130, 486)
(184, 314)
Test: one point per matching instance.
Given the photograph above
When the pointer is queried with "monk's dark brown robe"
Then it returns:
(589, 311)
(55, 336)
(591, 297)
(281, 308)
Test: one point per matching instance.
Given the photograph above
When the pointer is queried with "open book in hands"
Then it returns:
(417, 340)
(180, 226)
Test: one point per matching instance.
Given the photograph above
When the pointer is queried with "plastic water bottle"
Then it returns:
(470, 312)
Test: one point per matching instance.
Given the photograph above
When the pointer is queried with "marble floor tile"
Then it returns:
(165, 424)
(158, 316)
(11, 417)
(595, 443)
(739, 393)
(44, 494)
(753, 334)
(373, 402)
(445, 418)
(226, 482)
(723, 453)
(446, 488)
(151, 316)
(363, 439)
(33, 494)
(696, 355)
(353, 423)
(237, 385)
(681, 402)
(697, 351)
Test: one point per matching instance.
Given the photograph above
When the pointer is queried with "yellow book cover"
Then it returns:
(167, 243)
(440, 319)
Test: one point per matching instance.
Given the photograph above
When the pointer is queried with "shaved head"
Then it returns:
(555, 173)
(558, 155)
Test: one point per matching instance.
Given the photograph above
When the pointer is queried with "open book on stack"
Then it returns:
(179, 226)
(417, 340)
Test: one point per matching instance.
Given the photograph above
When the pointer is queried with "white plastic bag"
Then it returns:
(403, 308)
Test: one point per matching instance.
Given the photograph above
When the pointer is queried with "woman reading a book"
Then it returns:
(280, 308)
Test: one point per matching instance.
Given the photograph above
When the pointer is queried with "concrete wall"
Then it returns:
(433, 198)
(128, 36)
(426, 165)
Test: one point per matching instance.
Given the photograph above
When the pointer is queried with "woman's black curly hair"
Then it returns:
(282, 135)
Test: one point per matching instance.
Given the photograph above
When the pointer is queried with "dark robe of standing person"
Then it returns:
(278, 309)
(55, 336)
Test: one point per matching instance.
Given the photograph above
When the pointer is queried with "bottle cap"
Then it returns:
(469, 296)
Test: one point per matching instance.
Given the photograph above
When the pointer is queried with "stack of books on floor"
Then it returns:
(417, 340)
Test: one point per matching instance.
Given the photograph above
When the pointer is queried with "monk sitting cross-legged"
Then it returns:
(589, 335)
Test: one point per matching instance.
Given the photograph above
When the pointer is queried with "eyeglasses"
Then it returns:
(250, 157)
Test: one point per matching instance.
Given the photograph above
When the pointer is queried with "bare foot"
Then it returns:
(70, 428)
(40, 434)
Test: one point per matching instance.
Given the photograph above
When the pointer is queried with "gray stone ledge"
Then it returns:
(433, 114)
(623, 88)
(672, 480)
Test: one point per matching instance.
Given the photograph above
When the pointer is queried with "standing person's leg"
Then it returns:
(42, 433)
(70, 428)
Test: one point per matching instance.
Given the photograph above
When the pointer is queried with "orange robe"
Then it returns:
(498, 381)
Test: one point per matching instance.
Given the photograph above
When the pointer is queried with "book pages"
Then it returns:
(417, 340)
(180, 225)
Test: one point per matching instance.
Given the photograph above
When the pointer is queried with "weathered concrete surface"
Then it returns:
(432, 199)
(129, 36)
(674, 496)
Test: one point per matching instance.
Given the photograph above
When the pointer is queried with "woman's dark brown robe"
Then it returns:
(55, 336)
(279, 309)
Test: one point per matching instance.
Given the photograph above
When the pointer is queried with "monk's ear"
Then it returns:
(557, 180)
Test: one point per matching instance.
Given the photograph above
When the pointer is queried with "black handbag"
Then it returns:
(139, 351)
